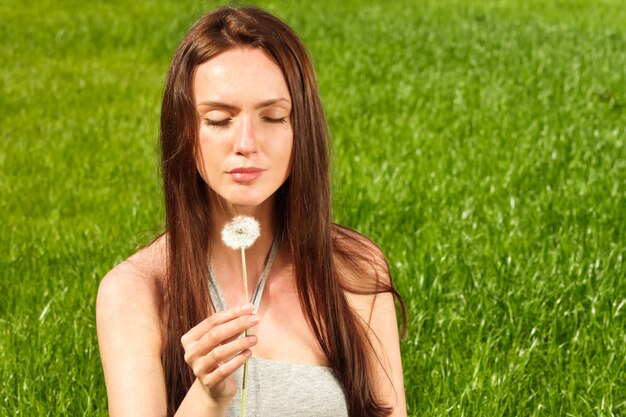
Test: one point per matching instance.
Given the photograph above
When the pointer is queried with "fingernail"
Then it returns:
(253, 339)
(248, 306)
(253, 318)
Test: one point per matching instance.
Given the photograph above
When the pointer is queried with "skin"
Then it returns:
(244, 107)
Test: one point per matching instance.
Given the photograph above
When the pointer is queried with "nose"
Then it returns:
(245, 142)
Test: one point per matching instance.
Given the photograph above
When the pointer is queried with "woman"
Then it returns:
(242, 132)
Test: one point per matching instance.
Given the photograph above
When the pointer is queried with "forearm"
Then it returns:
(198, 404)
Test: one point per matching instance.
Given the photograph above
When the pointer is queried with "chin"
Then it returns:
(247, 198)
(248, 201)
(245, 203)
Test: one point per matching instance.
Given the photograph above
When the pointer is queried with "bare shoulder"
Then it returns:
(357, 252)
(138, 279)
(130, 335)
(364, 274)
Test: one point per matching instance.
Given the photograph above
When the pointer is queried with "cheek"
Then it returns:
(205, 156)
(212, 143)
(287, 153)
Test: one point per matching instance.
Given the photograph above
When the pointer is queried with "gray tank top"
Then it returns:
(277, 388)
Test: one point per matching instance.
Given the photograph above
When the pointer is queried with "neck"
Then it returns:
(226, 262)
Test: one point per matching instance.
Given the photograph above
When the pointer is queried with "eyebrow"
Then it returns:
(222, 105)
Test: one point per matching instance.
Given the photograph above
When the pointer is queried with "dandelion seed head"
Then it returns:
(241, 232)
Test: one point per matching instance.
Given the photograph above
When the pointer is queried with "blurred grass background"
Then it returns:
(481, 144)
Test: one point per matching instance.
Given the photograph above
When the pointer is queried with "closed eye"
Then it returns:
(275, 120)
(218, 124)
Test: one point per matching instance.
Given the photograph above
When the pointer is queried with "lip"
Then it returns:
(245, 174)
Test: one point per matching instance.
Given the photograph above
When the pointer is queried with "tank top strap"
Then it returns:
(258, 293)
(215, 292)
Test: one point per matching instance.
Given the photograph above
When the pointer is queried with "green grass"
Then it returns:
(481, 144)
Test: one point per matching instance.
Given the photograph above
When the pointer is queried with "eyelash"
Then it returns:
(280, 120)
(222, 124)
(218, 124)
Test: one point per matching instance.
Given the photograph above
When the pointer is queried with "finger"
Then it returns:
(226, 352)
(225, 370)
(214, 319)
(222, 334)
(221, 354)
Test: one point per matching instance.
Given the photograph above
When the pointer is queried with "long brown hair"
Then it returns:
(303, 206)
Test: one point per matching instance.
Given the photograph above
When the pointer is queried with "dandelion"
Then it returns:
(239, 234)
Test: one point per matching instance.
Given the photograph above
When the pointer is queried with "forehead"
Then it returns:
(239, 75)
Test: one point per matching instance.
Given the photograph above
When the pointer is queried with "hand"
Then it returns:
(214, 350)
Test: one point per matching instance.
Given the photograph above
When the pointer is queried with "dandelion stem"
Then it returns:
(245, 365)
(245, 274)
(243, 390)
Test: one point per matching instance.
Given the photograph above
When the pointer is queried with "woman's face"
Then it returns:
(245, 135)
